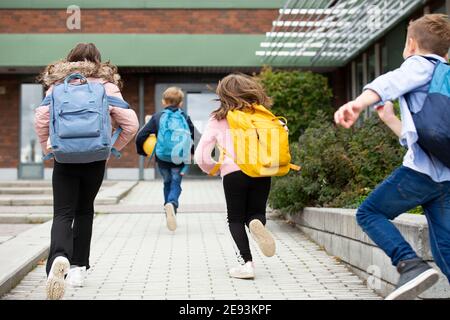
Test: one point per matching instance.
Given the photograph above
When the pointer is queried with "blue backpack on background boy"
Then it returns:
(174, 141)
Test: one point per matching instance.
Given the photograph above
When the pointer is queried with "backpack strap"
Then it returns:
(48, 156)
(114, 138)
(47, 100)
(117, 102)
(434, 60)
(120, 103)
(219, 163)
(431, 59)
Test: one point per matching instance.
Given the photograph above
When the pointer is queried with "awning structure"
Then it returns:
(331, 32)
(136, 50)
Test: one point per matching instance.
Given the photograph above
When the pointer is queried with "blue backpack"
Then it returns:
(433, 121)
(80, 123)
(174, 141)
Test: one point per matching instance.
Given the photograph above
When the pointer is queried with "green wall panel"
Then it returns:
(125, 4)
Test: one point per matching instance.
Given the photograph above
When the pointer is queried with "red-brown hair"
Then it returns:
(432, 33)
(84, 52)
(239, 91)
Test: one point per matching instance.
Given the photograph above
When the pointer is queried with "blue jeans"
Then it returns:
(172, 185)
(402, 191)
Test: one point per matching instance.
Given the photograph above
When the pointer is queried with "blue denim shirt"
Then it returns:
(412, 78)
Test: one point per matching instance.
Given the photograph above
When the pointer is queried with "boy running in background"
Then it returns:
(175, 133)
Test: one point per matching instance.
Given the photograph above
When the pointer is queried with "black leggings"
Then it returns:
(75, 187)
(246, 200)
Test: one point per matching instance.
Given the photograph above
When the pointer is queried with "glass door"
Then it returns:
(31, 165)
(199, 102)
(199, 106)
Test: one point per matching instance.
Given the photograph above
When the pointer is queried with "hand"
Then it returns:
(386, 112)
(347, 115)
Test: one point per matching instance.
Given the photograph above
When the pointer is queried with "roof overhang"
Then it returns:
(330, 32)
(138, 50)
(142, 4)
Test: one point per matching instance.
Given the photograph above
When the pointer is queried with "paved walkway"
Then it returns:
(134, 256)
(10, 230)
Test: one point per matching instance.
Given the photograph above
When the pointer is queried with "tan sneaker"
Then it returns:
(263, 237)
(56, 285)
(170, 217)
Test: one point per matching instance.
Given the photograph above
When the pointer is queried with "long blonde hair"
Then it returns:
(237, 92)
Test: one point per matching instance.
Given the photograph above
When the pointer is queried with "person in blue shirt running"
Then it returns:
(422, 179)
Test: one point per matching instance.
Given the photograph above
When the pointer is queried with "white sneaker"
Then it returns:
(76, 276)
(170, 216)
(263, 237)
(55, 286)
(246, 271)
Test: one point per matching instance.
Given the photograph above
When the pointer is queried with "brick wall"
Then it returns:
(250, 21)
(9, 129)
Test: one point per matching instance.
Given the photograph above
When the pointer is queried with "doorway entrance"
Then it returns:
(199, 102)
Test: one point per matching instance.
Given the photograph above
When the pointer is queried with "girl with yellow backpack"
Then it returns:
(253, 146)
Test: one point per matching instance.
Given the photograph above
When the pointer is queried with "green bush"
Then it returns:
(297, 96)
(339, 167)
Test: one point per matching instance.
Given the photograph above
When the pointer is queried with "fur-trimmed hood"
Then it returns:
(58, 71)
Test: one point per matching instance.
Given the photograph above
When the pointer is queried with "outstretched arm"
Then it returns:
(347, 115)
(413, 73)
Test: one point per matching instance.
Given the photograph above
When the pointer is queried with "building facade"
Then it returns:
(155, 44)
(191, 44)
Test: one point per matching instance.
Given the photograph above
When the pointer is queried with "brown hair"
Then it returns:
(432, 33)
(173, 96)
(84, 52)
(237, 92)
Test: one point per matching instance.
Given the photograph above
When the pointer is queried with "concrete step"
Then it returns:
(40, 183)
(109, 194)
(26, 190)
(21, 218)
(25, 184)
(43, 200)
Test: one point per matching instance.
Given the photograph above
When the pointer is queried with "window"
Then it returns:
(359, 75)
(31, 166)
(371, 65)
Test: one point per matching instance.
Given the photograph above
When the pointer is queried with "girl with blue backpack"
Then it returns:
(74, 126)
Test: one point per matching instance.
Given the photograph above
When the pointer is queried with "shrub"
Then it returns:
(297, 96)
(339, 167)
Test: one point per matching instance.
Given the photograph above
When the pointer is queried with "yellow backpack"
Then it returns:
(261, 143)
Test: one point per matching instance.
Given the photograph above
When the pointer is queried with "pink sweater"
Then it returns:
(124, 118)
(217, 132)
